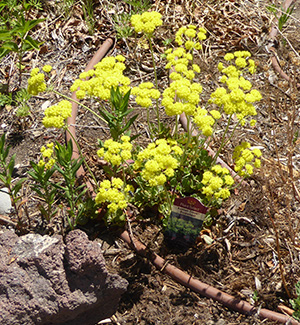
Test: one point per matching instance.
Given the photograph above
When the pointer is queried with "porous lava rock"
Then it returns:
(46, 281)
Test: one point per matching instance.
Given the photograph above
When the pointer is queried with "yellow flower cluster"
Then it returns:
(205, 120)
(114, 152)
(217, 183)
(36, 82)
(246, 159)
(47, 68)
(56, 115)
(241, 60)
(106, 74)
(236, 98)
(114, 193)
(158, 161)
(183, 95)
(180, 60)
(47, 159)
(190, 37)
(146, 22)
(144, 93)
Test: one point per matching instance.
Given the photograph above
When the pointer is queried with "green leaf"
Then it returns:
(106, 115)
(129, 123)
(3, 179)
(76, 166)
(5, 35)
(11, 164)
(10, 46)
(30, 43)
(17, 186)
(34, 22)
(272, 9)
(2, 142)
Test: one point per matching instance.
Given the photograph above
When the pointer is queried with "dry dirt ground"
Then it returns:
(244, 259)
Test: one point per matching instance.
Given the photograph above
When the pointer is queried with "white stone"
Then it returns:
(5, 201)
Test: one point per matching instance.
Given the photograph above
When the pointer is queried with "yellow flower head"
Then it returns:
(113, 194)
(47, 159)
(98, 82)
(144, 94)
(158, 161)
(217, 183)
(36, 82)
(47, 68)
(246, 159)
(115, 152)
(189, 36)
(146, 22)
(55, 116)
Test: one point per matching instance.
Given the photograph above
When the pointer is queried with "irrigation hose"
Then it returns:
(204, 289)
(176, 274)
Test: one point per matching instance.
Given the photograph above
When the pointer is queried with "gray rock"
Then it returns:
(46, 281)
(5, 201)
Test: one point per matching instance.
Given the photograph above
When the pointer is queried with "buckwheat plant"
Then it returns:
(167, 167)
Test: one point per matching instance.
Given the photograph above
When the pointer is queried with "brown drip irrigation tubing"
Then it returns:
(203, 288)
(178, 275)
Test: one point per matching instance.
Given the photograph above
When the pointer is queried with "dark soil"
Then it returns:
(243, 259)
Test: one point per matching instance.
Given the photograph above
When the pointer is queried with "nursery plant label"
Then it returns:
(186, 219)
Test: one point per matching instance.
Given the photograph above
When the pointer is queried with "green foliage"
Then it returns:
(122, 25)
(7, 166)
(15, 29)
(5, 99)
(44, 189)
(88, 11)
(18, 99)
(79, 206)
(122, 21)
(117, 120)
(17, 39)
(139, 6)
(283, 16)
(72, 191)
(296, 302)
(21, 98)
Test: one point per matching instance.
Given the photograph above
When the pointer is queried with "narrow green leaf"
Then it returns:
(10, 46)
(11, 164)
(5, 35)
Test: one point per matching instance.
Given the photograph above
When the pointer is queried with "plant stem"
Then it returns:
(81, 155)
(223, 142)
(78, 103)
(189, 133)
(279, 256)
(156, 82)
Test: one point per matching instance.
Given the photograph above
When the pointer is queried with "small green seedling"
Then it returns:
(285, 14)
(296, 302)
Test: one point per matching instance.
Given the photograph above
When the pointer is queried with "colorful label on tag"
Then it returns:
(186, 219)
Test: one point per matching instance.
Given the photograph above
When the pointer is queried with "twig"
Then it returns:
(279, 256)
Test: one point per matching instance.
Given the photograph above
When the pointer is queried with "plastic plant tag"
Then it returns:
(186, 220)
